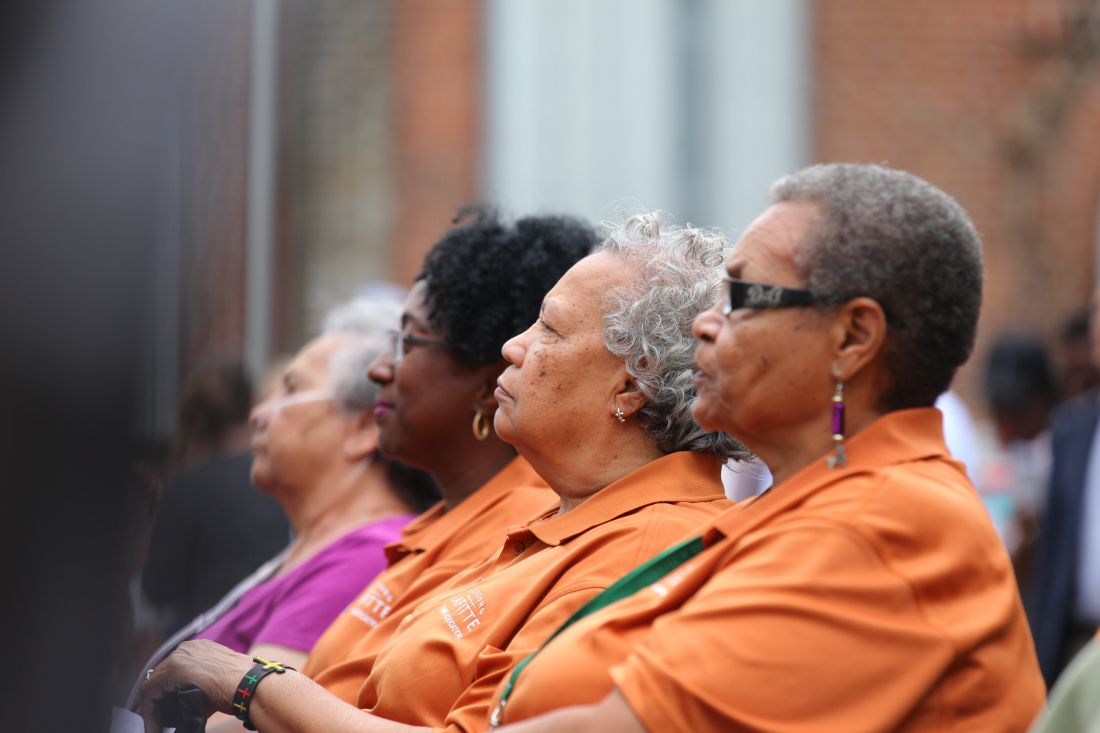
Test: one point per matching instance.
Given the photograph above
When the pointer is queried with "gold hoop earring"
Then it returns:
(480, 426)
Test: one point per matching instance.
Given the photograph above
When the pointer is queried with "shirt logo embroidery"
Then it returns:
(374, 605)
(462, 613)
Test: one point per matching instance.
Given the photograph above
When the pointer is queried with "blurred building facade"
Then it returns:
(323, 145)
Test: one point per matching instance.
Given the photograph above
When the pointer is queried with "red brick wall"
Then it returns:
(437, 122)
(979, 98)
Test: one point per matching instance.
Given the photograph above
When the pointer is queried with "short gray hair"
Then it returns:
(891, 236)
(648, 324)
(364, 324)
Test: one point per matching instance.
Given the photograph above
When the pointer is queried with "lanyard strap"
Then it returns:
(640, 577)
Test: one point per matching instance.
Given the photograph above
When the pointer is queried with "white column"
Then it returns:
(263, 117)
(692, 106)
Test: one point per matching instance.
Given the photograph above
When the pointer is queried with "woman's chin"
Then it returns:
(260, 476)
(390, 445)
(706, 415)
(503, 427)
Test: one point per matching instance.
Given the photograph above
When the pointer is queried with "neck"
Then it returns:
(352, 497)
(798, 447)
(578, 472)
(459, 478)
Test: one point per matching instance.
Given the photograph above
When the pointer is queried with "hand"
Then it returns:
(200, 663)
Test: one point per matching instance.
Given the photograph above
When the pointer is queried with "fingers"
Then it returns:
(148, 707)
(203, 664)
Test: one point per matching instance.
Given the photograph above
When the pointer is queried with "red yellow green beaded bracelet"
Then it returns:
(242, 698)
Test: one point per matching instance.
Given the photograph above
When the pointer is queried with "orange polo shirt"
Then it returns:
(441, 666)
(434, 547)
(871, 598)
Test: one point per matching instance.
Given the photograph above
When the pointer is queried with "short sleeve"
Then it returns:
(804, 629)
(308, 605)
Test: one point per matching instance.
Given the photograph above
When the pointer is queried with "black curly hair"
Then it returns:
(486, 279)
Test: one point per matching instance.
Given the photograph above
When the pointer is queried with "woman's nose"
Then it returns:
(706, 324)
(259, 415)
(513, 350)
(380, 370)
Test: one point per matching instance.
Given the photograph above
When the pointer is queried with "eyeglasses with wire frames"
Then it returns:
(758, 296)
(402, 341)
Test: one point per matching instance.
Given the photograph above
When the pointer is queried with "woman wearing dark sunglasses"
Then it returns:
(867, 589)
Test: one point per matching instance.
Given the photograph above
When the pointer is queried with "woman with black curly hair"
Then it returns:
(480, 285)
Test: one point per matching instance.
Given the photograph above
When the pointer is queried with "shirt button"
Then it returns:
(518, 547)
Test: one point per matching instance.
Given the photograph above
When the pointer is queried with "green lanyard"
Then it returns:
(638, 578)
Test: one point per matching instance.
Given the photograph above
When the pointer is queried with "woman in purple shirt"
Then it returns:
(314, 448)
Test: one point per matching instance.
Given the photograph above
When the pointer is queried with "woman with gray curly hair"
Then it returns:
(597, 397)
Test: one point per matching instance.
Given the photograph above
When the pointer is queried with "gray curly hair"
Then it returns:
(368, 321)
(648, 324)
(891, 236)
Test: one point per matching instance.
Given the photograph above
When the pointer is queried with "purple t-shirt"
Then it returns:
(293, 610)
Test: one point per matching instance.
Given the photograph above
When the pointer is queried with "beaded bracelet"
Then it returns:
(242, 698)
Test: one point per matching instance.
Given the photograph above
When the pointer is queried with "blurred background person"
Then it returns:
(1078, 372)
(960, 431)
(211, 527)
(1021, 390)
(1066, 598)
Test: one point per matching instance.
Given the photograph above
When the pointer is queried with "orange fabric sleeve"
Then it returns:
(769, 641)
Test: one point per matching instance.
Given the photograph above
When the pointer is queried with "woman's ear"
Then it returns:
(860, 336)
(362, 438)
(628, 398)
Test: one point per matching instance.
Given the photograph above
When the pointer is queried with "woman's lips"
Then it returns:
(382, 409)
(501, 392)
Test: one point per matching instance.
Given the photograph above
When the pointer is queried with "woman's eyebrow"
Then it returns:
(547, 309)
(408, 319)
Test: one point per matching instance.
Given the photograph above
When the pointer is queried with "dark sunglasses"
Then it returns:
(745, 294)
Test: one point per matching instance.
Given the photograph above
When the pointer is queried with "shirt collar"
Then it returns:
(901, 436)
(677, 477)
(438, 523)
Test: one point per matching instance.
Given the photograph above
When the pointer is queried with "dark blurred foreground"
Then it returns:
(87, 90)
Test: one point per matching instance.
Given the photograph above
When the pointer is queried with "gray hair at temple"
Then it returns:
(365, 323)
(648, 324)
(893, 237)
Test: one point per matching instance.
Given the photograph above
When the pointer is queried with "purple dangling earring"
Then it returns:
(838, 459)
